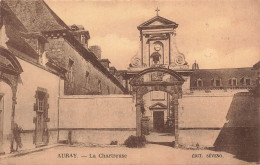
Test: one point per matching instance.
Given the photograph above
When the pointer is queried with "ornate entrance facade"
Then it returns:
(157, 79)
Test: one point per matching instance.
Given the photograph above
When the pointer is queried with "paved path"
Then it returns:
(151, 154)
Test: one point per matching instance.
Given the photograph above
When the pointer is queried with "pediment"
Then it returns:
(158, 21)
(158, 106)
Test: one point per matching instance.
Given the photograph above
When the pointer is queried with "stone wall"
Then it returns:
(86, 76)
(209, 119)
(97, 119)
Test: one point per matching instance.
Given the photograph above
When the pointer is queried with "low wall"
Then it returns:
(210, 119)
(97, 119)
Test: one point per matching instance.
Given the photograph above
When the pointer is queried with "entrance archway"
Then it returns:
(158, 79)
(10, 69)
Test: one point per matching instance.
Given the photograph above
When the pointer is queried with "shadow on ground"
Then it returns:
(169, 144)
(240, 135)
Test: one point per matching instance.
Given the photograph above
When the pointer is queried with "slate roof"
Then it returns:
(206, 75)
(35, 15)
(257, 65)
(13, 30)
(18, 43)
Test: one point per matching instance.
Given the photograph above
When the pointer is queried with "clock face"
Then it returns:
(157, 47)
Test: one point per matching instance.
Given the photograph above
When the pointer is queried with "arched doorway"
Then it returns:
(158, 79)
(10, 69)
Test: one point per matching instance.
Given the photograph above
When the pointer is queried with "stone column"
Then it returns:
(176, 123)
(138, 115)
(14, 89)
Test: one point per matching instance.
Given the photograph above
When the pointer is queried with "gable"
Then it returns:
(158, 21)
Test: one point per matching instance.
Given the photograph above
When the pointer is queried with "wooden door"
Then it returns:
(39, 128)
(158, 120)
(40, 124)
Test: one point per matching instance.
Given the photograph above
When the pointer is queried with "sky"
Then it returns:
(215, 33)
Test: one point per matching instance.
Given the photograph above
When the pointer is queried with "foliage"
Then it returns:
(114, 142)
(135, 141)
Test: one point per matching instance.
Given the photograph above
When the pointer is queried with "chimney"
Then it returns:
(96, 50)
(105, 63)
(195, 66)
(80, 34)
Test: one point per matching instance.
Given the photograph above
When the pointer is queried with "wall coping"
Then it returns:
(94, 96)
(209, 95)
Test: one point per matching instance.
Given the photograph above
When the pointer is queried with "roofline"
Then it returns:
(89, 56)
(225, 68)
(58, 19)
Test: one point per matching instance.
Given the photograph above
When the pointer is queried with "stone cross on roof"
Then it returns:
(157, 10)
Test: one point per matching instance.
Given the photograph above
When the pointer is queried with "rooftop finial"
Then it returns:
(157, 11)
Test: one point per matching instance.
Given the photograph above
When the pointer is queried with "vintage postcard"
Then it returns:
(129, 82)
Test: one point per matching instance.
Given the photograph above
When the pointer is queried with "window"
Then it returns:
(70, 71)
(41, 105)
(216, 82)
(234, 82)
(248, 81)
(40, 101)
(40, 50)
(82, 39)
(99, 87)
(40, 47)
(199, 83)
(86, 78)
(108, 90)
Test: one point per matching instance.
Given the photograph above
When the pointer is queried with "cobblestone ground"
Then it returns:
(151, 154)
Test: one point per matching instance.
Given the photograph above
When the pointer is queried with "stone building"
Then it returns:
(53, 83)
(41, 59)
(172, 97)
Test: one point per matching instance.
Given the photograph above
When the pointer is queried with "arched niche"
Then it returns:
(10, 70)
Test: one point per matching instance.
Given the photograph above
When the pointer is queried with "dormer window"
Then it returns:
(216, 82)
(40, 47)
(233, 82)
(40, 50)
(108, 90)
(82, 39)
(199, 83)
(248, 81)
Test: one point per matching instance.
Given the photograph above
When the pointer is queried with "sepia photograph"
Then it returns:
(135, 82)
